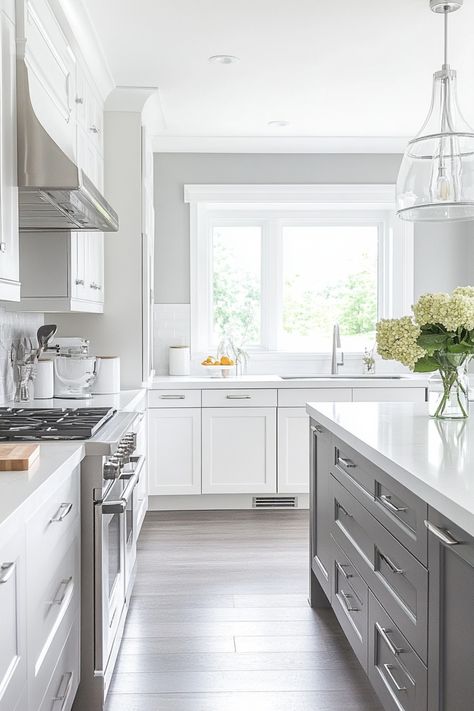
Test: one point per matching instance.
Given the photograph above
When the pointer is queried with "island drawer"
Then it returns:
(400, 511)
(239, 398)
(349, 601)
(64, 681)
(397, 674)
(395, 576)
(174, 398)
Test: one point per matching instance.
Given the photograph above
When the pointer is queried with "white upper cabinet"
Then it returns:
(9, 259)
(51, 69)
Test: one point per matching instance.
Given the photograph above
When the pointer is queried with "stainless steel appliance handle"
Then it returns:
(6, 572)
(443, 535)
(120, 505)
(385, 499)
(384, 632)
(61, 513)
(388, 668)
(138, 464)
(64, 689)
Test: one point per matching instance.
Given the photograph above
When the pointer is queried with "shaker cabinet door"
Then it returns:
(293, 450)
(239, 450)
(451, 619)
(174, 451)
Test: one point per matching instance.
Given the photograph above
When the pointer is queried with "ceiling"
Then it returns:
(331, 69)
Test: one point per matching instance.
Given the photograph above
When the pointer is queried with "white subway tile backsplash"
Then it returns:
(172, 327)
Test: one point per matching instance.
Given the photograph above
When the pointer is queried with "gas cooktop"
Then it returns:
(28, 424)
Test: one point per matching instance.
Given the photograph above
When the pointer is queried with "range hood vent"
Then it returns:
(54, 194)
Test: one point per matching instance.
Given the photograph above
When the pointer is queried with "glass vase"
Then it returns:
(449, 389)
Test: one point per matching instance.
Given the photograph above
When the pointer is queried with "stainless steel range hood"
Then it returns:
(54, 194)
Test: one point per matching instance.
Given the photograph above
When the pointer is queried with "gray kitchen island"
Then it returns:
(392, 546)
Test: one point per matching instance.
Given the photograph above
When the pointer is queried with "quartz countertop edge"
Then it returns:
(18, 488)
(205, 382)
(433, 459)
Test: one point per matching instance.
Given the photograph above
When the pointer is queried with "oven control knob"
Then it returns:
(111, 469)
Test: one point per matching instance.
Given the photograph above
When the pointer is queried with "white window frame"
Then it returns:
(294, 204)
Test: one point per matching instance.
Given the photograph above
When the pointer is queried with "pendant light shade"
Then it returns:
(436, 178)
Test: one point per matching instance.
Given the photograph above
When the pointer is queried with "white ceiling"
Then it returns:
(332, 68)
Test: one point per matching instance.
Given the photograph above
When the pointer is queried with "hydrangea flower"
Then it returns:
(452, 311)
(397, 340)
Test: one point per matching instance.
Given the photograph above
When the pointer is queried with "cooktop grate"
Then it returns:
(25, 424)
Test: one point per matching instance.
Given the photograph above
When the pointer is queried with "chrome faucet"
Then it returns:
(336, 345)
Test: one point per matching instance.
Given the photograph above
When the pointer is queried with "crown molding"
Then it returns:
(279, 144)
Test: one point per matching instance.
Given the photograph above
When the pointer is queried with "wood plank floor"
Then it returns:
(219, 621)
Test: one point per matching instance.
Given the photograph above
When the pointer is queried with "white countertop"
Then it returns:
(434, 459)
(197, 382)
(126, 400)
(55, 461)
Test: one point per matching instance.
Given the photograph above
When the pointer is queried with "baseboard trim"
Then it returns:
(210, 502)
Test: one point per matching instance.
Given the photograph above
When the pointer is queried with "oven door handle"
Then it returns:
(138, 464)
(119, 506)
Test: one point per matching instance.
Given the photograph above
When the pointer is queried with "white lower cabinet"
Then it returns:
(174, 450)
(293, 450)
(13, 661)
(238, 450)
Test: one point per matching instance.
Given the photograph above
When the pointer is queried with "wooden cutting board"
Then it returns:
(18, 457)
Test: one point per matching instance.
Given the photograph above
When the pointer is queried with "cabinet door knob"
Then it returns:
(3, 246)
(79, 100)
(80, 282)
(94, 129)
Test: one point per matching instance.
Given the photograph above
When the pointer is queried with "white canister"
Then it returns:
(108, 375)
(179, 360)
(44, 380)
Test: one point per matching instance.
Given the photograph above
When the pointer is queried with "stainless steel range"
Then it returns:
(110, 473)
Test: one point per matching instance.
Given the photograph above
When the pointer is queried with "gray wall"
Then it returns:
(442, 254)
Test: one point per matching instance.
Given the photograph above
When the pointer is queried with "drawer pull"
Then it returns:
(64, 591)
(344, 511)
(238, 397)
(385, 499)
(347, 602)
(6, 572)
(348, 463)
(389, 669)
(61, 513)
(394, 568)
(340, 567)
(315, 428)
(384, 632)
(64, 689)
(172, 397)
(442, 534)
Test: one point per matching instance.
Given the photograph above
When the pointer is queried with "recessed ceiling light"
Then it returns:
(278, 124)
(223, 59)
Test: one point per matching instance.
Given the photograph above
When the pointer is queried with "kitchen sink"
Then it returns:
(343, 376)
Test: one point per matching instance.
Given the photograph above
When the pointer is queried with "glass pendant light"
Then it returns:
(436, 178)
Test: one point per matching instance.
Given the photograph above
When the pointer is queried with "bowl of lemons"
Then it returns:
(219, 367)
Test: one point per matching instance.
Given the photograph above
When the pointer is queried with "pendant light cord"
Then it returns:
(446, 13)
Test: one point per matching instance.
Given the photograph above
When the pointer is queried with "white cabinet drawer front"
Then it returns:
(49, 602)
(293, 450)
(298, 397)
(239, 398)
(389, 394)
(55, 520)
(12, 622)
(64, 681)
(174, 398)
(238, 450)
(174, 451)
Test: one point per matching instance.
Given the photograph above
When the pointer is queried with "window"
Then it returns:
(276, 275)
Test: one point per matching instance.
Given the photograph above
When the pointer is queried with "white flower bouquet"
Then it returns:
(438, 337)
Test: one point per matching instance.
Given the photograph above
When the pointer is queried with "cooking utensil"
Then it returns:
(44, 335)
